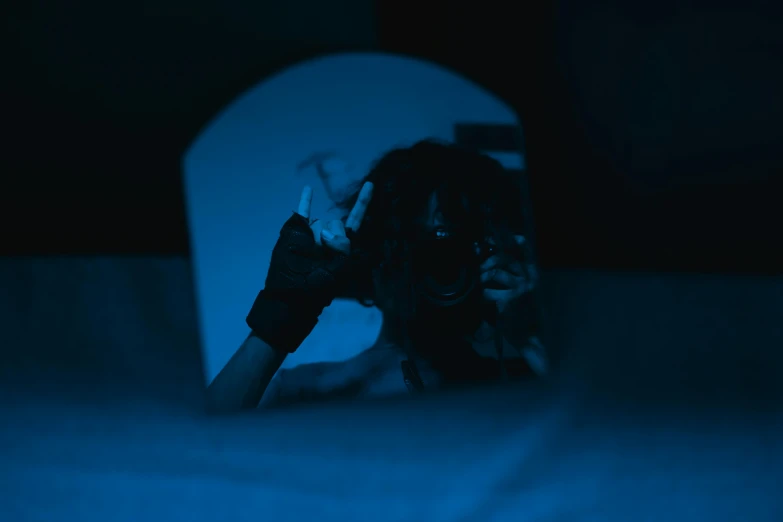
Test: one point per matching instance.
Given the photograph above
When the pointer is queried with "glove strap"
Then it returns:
(280, 325)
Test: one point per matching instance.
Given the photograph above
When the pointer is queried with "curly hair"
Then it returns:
(479, 197)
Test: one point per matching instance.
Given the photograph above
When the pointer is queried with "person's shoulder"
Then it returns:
(320, 381)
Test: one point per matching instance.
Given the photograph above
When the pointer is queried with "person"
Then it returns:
(434, 239)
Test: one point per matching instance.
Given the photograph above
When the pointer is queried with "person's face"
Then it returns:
(431, 223)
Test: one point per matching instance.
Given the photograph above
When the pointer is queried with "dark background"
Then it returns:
(653, 128)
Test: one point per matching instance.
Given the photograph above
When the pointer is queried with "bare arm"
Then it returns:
(242, 381)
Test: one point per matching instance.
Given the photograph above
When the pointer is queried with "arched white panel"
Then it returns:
(244, 173)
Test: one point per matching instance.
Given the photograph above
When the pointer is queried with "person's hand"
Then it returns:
(332, 234)
(310, 262)
(505, 278)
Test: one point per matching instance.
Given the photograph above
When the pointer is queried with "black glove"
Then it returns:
(303, 279)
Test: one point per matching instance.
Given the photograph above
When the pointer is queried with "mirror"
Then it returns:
(320, 123)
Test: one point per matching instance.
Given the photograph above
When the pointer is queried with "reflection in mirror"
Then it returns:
(402, 190)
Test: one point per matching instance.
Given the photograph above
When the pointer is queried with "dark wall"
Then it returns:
(103, 99)
(652, 128)
(674, 338)
(100, 328)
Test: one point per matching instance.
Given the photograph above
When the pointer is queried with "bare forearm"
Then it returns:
(242, 381)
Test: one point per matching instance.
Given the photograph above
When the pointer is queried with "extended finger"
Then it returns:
(499, 296)
(502, 277)
(515, 267)
(305, 202)
(518, 239)
(317, 227)
(490, 263)
(356, 215)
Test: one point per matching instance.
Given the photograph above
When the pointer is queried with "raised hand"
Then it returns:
(507, 279)
(301, 281)
(332, 234)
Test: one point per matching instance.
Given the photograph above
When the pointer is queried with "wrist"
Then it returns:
(281, 325)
